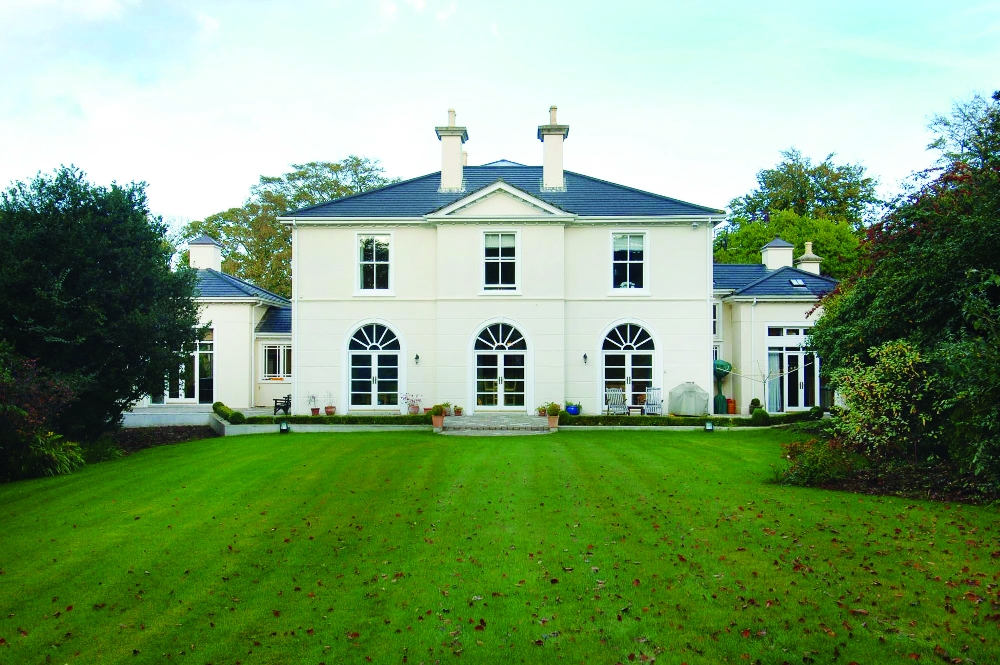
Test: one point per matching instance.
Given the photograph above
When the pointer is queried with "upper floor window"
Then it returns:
(500, 261)
(374, 262)
(628, 258)
(716, 329)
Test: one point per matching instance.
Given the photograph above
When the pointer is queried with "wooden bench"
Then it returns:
(283, 404)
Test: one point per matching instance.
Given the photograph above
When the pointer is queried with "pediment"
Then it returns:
(499, 200)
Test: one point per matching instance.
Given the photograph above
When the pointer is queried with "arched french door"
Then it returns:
(374, 366)
(500, 351)
(628, 361)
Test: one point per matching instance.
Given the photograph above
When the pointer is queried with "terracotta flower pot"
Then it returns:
(413, 409)
(315, 410)
(331, 410)
(458, 410)
(437, 421)
(553, 422)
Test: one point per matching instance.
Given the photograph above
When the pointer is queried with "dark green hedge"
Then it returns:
(227, 414)
(678, 421)
(342, 420)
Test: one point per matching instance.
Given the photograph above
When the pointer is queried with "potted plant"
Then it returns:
(553, 412)
(412, 402)
(330, 408)
(437, 415)
(447, 408)
(311, 400)
(542, 409)
(573, 409)
(458, 410)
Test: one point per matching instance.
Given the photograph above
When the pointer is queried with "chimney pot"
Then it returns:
(452, 160)
(552, 136)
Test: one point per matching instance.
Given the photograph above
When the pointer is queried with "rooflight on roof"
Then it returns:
(797, 282)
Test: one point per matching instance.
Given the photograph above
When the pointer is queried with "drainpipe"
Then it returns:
(753, 343)
(295, 327)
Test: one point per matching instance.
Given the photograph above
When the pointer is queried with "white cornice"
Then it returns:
(809, 298)
(495, 189)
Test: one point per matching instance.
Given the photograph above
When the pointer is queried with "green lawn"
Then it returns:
(583, 547)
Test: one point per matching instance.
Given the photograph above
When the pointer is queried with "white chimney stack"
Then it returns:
(205, 253)
(552, 136)
(809, 261)
(452, 138)
(777, 254)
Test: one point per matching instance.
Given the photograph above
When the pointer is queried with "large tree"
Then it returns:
(86, 291)
(931, 277)
(800, 201)
(258, 248)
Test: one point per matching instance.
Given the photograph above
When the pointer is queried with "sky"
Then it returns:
(685, 99)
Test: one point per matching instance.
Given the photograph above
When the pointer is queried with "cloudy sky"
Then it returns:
(199, 99)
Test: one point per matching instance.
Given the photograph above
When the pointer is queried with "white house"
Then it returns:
(245, 357)
(503, 286)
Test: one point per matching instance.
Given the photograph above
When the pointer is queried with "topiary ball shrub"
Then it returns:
(760, 417)
(816, 413)
(237, 418)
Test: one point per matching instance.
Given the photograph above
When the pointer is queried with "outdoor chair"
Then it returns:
(654, 402)
(615, 398)
(283, 404)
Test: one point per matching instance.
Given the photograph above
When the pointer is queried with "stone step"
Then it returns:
(496, 422)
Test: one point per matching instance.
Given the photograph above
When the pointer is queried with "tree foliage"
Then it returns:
(818, 191)
(256, 246)
(930, 276)
(87, 292)
(799, 201)
(833, 240)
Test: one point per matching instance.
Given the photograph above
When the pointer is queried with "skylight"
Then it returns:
(797, 282)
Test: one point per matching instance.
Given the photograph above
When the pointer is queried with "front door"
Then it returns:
(500, 380)
(628, 362)
(794, 382)
(375, 379)
(193, 380)
(500, 368)
(631, 372)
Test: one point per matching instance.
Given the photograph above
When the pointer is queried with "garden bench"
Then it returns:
(283, 404)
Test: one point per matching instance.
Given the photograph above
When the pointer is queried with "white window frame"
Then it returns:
(646, 253)
(358, 283)
(485, 289)
(717, 320)
(284, 364)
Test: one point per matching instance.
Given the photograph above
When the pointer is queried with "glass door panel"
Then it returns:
(206, 382)
(809, 387)
(513, 379)
(641, 377)
(793, 381)
(387, 380)
(487, 379)
(614, 371)
(362, 380)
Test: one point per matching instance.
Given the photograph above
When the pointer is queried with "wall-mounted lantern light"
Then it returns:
(416, 359)
(585, 359)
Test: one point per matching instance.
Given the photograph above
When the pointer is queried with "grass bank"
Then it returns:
(592, 547)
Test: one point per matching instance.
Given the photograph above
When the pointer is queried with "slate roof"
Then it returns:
(214, 284)
(757, 280)
(778, 242)
(205, 240)
(276, 320)
(583, 195)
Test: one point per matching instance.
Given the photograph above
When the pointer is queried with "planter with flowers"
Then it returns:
(412, 402)
(330, 408)
(311, 400)
(553, 412)
(437, 416)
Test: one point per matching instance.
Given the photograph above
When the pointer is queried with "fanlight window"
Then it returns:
(374, 337)
(499, 337)
(628, 337)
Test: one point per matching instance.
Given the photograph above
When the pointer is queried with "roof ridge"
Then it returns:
(359, 194)
(647, 193)
(774, 273)
(243, 282)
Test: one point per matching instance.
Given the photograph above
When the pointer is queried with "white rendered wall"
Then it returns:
(233, 326)
(563, 305)
(747, 343)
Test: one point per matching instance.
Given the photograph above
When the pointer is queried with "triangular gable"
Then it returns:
(499, 199)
